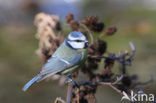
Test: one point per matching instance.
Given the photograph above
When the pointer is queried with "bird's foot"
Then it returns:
(69, 79)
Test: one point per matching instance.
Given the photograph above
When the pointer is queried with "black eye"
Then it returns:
(78, 40)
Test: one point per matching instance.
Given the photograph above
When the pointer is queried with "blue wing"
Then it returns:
(58, 62)
(53, 66)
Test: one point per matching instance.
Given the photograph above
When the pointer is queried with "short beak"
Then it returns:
(86, 41)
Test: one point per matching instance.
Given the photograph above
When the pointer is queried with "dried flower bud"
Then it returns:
(74, 25)
(45, 51)
(93, 24)
(90, 60)
(110, 30)
(69, 17)
(55, 44)
(98, 27)
(58, 26)
(121, 87)
(108, 63)
(83, 100)
(93, 65)
(81, 94)
(126, 80)
(46, 54)
(106, 74)
(84, 68)
(102, 46)
(92, 49)
(89, 20)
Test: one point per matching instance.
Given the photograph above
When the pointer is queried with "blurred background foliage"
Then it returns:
(135, 20)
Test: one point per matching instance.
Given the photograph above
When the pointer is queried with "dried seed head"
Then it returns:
(89, 20)
(90, 60)
(84, 68)
(91, 89)
(126, 80)
(111, 30)
(74, 25)
(102, 46)
(108, 63)
(46, 54)
(69, 17)
(55, 44)
(93, 65)
(93, 49)
(83, 100)
(98, 27)
(93, 24)
(106, 74)
(81, 94)
(121, 87)
(58, 26)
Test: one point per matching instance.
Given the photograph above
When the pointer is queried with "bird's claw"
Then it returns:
(68, 81)
(72, 81)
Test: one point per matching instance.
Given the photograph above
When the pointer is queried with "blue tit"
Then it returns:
(66, 59)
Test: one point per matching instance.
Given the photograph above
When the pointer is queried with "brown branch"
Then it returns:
(69, 92)
(102, 34)
(90, 34)
(112, 86)
(58, 99)
(103, 83)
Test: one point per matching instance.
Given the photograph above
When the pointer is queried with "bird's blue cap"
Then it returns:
(76, 34)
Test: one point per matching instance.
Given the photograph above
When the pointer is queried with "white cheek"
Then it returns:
(77, 45)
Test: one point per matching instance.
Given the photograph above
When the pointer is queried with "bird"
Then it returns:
(67, 58)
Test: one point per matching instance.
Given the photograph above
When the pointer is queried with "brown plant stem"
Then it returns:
(101, 35)
(113, 87)
(104, 84)
(90, 34)
(69, 92)
(58, 99)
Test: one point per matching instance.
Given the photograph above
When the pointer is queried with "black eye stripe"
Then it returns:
(76, 40)
(79, 40)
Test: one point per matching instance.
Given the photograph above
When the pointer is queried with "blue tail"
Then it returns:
(32, 81)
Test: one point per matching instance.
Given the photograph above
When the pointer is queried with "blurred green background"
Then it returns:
(135, 20)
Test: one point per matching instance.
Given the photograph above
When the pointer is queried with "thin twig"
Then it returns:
(112, 84)
(103, 83)
(90, 34)
(102, 34)
(58, 99)
(118, 80)
(69, 92)
(113, 87)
